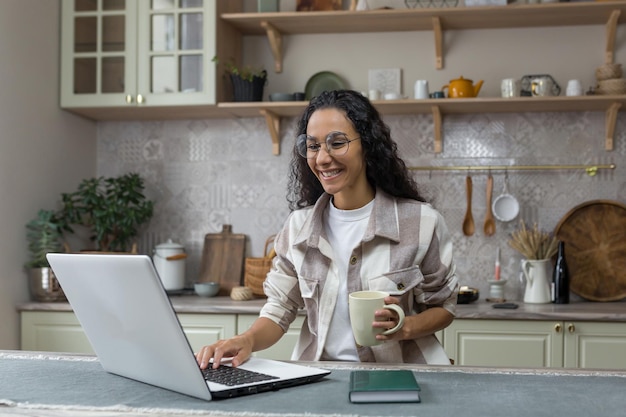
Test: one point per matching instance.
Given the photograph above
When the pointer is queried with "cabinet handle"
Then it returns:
(140, 99)
(129, 99)
(571, 328)
(557, 327)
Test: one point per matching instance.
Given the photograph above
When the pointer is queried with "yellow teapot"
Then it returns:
(462, 88)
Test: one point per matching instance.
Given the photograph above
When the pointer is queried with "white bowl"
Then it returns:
(206, 289)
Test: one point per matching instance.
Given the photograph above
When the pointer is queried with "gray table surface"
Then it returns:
(49, 385)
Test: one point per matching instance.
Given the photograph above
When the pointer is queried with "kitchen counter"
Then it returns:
(49, 385)
(579, 311)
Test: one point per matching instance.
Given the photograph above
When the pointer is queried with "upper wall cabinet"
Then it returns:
(122, 55)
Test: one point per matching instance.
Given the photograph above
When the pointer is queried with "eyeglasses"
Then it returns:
(337, 144)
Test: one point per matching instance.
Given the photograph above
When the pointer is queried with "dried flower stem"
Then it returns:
(533, 243)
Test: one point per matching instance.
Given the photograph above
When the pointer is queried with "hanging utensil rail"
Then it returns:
(590, 169)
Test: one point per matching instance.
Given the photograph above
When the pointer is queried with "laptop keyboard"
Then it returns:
(231, 376)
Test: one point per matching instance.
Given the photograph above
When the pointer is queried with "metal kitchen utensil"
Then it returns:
(468, 221)
(490, 223)
(505, 207)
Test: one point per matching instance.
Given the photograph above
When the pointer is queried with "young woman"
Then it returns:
(359, 223)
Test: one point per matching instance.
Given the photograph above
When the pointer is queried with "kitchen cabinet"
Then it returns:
(60, 331)
(281, 350)
(532, 343)
(141, 58)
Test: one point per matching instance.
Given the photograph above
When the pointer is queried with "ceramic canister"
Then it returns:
(169, 261)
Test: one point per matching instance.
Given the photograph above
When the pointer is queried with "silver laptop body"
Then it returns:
(128, 318)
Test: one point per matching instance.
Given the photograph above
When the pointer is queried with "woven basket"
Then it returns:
(611, 87)
(609, 71)
(256, 269)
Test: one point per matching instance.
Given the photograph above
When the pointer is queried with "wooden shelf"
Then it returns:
(274, 111)
(275, 25)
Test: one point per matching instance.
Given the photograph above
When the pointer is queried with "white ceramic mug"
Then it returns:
(374, 94)
(574, 88)
(363, 306)
(510, 87)
(421, 89)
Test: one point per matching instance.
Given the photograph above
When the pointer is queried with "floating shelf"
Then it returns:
(274, 111)
(437, 20)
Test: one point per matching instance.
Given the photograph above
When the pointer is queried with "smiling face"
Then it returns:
(342, 176)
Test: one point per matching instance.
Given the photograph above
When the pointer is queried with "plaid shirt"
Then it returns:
(406, 251)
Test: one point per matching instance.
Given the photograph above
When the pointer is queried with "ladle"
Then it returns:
(490, 223)
(468, 221)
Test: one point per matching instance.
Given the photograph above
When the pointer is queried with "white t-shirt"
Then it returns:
(345, 230)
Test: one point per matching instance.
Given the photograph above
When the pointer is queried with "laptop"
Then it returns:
(128, 318)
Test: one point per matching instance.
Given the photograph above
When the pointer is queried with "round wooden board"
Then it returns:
(595, 249)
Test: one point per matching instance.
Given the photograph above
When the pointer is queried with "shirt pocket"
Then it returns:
(397, 282)
(309, 288)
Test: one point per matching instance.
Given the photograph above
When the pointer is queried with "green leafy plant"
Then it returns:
(247, 72)
(43, 234)
(112, 208)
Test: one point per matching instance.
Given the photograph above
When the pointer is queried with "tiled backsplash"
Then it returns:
(206, 173)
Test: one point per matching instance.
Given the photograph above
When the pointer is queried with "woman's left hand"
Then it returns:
(387, 319)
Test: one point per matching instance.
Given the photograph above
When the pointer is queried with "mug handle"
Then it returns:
(400, 312)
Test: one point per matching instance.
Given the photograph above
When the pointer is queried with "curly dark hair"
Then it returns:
(384, 168)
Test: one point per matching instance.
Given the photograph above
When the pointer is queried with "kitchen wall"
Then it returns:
(205, 173)
(43, 150)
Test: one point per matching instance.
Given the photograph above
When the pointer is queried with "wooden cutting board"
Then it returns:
(595, 249)
(222, 259)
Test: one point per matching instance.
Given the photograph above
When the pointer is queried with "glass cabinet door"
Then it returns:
(176, 45)
(98, 52)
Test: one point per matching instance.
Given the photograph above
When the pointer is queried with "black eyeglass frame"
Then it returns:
(303, 149)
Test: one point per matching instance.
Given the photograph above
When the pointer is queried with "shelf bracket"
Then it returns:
(273, 125)
(438, 42)
(275, 39)
(611, 118)
(611, 27)
(438, 145)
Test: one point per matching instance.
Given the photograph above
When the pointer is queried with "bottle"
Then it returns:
(561, 277)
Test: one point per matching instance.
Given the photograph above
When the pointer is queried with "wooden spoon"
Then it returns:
(490, 223)
(468, 221)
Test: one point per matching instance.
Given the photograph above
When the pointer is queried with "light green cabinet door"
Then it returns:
(595, 345)
(138, 53)
(508, 343)
(98, 53)
(284, 347)
(53, 331)
(206, 329)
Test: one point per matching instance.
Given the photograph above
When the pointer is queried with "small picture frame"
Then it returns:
(385, 80)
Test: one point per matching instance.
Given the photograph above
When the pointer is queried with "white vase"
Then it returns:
(538, 275)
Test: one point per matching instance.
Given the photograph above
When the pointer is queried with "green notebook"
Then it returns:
(383, 386)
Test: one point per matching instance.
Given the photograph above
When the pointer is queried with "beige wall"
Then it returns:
(43, 150)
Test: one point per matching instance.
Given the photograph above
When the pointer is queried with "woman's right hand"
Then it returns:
(239, 348)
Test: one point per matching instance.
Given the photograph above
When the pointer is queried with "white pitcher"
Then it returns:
(538, 275)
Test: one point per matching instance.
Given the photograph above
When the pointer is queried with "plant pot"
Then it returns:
(245, 90)
(44, 285)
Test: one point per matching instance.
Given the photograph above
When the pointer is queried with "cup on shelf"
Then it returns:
(574, 88)
(437, 94)
(374, 94)
(421, 89)
(510, 87)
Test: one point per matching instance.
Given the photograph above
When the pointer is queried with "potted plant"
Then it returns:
(112, 209)
(43, 234)
(248, 81)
